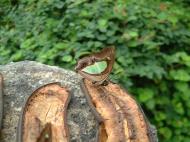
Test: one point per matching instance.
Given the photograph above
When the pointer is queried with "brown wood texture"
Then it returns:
(121, 118)
(44, 115)
(46, 134)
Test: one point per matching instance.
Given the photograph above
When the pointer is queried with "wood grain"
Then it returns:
(121, 118)
(45, 110)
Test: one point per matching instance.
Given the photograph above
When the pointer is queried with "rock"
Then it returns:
(22, 78)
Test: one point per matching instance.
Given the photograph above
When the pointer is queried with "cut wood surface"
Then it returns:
(20, 79)
(46, 134)
(44, 115)
(122, 120)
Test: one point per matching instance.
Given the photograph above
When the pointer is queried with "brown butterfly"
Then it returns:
(97, 66)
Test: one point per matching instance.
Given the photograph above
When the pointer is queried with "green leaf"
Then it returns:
(102, 25)
(186, 59)
(180, 74)
(18, 56)
(166, 132)
(102, 22)
(150, 104)
(66, 58)
(61, 45)
(133, 34)
(145, 94)
(179, 108)
(182, 86)
(160, 116)
(28, 44)
(162, 16)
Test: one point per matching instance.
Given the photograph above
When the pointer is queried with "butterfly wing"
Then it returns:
(97, 66)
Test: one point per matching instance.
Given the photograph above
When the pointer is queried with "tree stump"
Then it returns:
(22, 78)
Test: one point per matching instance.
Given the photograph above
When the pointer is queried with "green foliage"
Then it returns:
(152, 38)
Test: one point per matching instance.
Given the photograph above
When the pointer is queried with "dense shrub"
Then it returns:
(152, 39)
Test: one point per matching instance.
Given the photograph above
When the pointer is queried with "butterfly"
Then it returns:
(97, 66)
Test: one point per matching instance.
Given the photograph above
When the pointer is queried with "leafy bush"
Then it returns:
(152, 40)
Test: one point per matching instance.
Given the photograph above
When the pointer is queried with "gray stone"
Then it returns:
(22, 78)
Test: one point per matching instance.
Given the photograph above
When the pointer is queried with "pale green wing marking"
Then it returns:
(96, 68)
